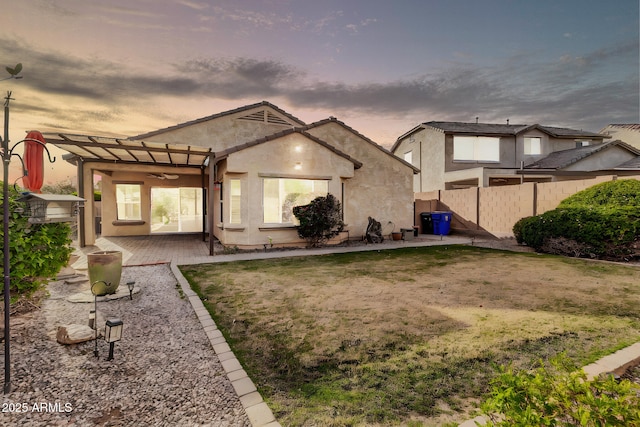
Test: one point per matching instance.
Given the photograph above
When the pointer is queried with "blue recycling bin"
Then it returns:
(441, 222)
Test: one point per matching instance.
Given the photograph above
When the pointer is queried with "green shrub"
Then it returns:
(560, 396)
(36, 251)
(600, 222)
(619, 193)
(320, 220)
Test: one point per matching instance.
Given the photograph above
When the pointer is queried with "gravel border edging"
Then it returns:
(257, 410)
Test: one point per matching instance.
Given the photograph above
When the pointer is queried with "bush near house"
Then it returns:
(320, 220)
(560, 395)
(602, 221)
(36, 251)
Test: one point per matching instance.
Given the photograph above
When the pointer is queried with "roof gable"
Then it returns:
(628, 126)
(262, 115)
(476, 128)
(227, 152)
(359, 135)
(564, 158)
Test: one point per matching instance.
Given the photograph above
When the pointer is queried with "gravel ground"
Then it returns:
(164, 371)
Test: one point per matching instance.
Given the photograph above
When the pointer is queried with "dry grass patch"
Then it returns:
(409, 336)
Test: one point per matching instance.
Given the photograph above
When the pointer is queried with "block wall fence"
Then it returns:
(496, 209)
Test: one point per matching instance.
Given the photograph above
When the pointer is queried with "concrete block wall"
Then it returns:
(463, 202)
(550, 194)
(501, 207)
(497, 209)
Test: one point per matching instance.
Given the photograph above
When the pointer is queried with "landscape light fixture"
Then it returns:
(131, 285)
(95, 313)
(112, 333)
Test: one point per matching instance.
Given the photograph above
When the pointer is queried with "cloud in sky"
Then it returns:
(134, 67)
(518, 87)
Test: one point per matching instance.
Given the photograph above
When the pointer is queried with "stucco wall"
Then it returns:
(120, 173)
(277, 159)
(382, 188)
(223, 132)
(630, 136)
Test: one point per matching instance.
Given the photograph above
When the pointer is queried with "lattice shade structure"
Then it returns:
(117, 150)
(48, 208)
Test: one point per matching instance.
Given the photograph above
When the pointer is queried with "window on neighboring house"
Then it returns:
(235, 195)
(532, 146)
(582, 144)
(476, 148)
(128, 202)
(280, 195)
(408, 157)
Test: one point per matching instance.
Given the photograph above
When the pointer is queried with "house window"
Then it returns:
(532, 146)
(128, 202)
(582, 144)
(476, 148)
(235, 193)
(408, 157)
(280, 195)
(176, 209)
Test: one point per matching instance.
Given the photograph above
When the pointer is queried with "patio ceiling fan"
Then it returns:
(162, 176)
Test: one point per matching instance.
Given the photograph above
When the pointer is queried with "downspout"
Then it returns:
(420, 164)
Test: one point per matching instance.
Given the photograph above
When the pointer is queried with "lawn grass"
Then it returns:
(409, 336)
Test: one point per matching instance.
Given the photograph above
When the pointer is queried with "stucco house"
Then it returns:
(629, 133)
(454, 155)
(237, 176)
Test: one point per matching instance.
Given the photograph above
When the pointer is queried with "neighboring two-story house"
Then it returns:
(454, 155)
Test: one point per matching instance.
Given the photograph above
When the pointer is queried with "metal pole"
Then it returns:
(6, 159)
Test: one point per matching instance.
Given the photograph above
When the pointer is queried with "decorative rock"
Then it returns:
(163, 373)
(74, 334)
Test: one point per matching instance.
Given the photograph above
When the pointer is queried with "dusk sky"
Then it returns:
(125, 67)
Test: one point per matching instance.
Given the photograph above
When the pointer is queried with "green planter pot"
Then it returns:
(104, 266)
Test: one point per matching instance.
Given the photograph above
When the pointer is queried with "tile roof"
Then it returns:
(476, 128)
(631, 164)
(632, 126)
(564, 158)
(355, 132)
(505, 129)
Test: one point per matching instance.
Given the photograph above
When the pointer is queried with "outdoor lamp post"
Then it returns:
(6, 160)
(131, 285)
(95, 313)
(112, 333)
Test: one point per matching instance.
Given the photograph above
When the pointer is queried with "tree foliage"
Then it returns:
(36, 251)
(320, 220)
(560, 395)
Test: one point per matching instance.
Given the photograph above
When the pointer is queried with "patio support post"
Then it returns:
(205, 200)
(210, 192)
(81, 219)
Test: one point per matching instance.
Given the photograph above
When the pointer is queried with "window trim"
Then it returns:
(124, 221)
(524, 147)
(281, 225)
(238, 199)
(476, 143)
